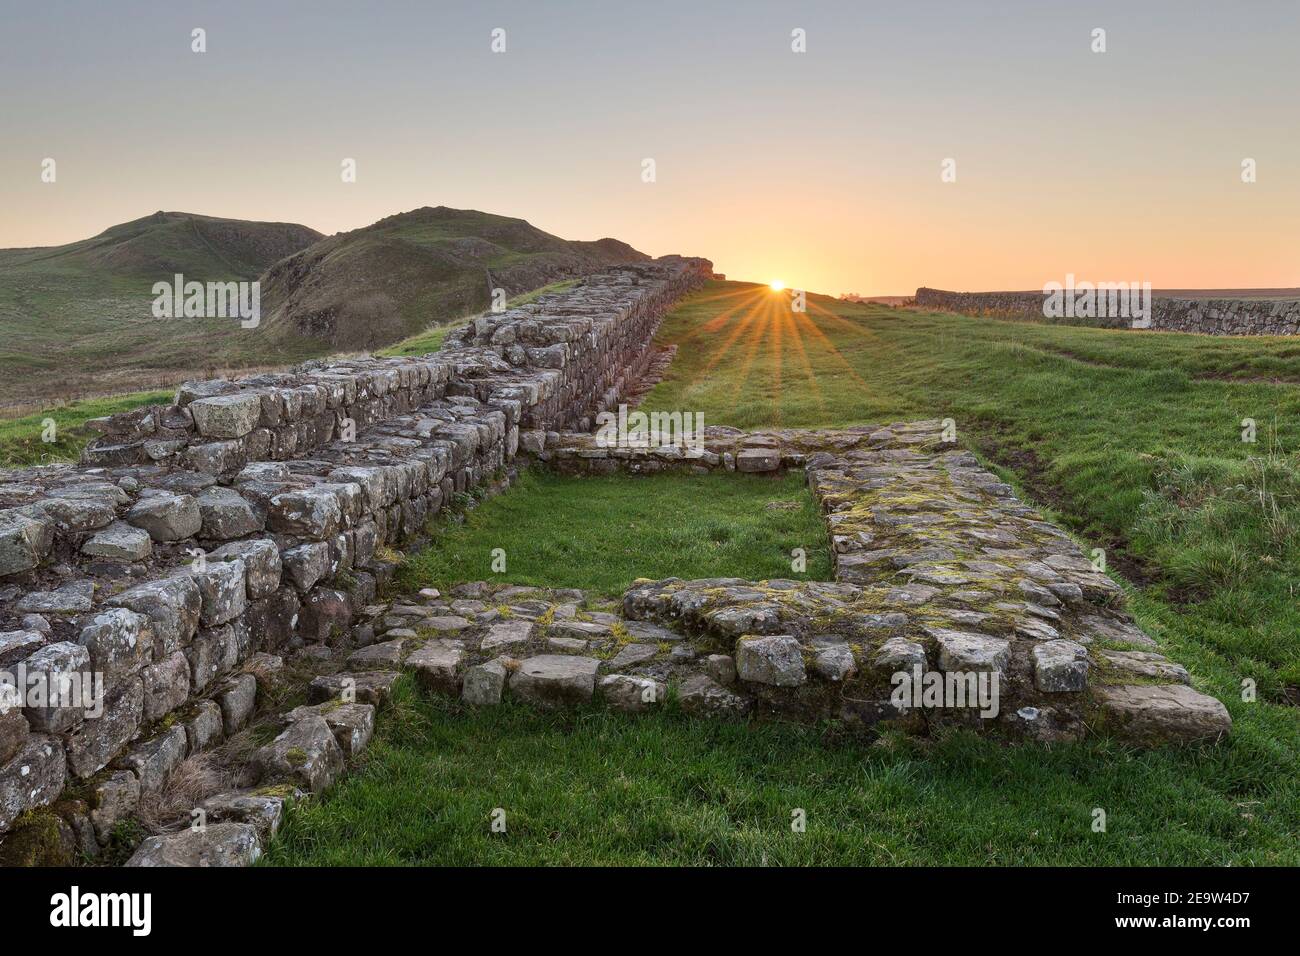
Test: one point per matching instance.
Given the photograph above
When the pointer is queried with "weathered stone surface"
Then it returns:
(97, 741)
(31, 778)
(226, 416)
(384, 654)
(173, 604)
(17, 645)
(1146, 664)
(306, 754)
(75, 597)
(213, 652)
(834, 663)
(120, 542)
(555, 679)
(353, 724)
(306, 564)
(222, 844)
(484, 683)
(119, 642)
(226, 514)
(24, 541)
(721, 667)
(775, 660)
(237, 699)
(758, 460)
(632, 694)
(898, 655)
(264, 812)
(438, 666)
(262, 565)
(967, 651)
(64, 670)
(702, 696)
(1154, 714)
(312, 513)
(506, 636)
(14, 729)
(221, 586)
(632, 654)
(154, 759)
(366, 687)
(445, 623)
(167, 517)
(203, 728)
(1060, 667)
(166, 686)
(112, 800)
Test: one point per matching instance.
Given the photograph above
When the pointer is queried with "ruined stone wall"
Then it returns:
(252, 516)
(1205, 316)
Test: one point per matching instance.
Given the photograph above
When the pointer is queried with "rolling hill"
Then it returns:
(77, 319)
(373, 286)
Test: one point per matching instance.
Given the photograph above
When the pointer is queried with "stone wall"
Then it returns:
(1205, 316)
(252, 516)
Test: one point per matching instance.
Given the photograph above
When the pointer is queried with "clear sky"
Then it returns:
(821, 168)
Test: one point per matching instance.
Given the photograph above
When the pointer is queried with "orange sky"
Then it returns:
(820, 168)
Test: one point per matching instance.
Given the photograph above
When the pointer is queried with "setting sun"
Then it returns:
(777, 285)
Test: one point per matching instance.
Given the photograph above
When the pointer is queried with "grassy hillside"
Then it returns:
(1132, 440)
(374, 286)
(76, 320)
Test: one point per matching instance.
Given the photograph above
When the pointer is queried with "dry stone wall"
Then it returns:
(252, 516)
(939, 570)
(1205, 316)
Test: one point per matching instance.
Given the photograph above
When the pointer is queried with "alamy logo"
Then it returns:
(946, 689)
(1100, 300)
(45, 690)
(179, 299)
(75, 908)
(655, 430)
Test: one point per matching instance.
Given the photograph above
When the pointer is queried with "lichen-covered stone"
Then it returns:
(306, 754)
(173, 604)
(25, 540)
(353, 724)
(632, 694)
(154, 759)
(120, 542)
(222, 844)
(776, 660)
(1154, 714)
(484, 683)
(167, 517)
(1060, 667)
(31, 778)
(438, 666)
(119, 641)
(555, 679)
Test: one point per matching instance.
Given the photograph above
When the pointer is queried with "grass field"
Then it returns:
(23, 440)
(1133, 441)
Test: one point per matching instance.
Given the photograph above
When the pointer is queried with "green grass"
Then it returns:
(1131, 440)
(22, 439)
(602, 533)
(595, 788)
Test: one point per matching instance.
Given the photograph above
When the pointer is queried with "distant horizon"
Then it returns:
(1167, 292)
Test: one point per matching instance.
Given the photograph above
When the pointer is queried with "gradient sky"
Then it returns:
(819, 168)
